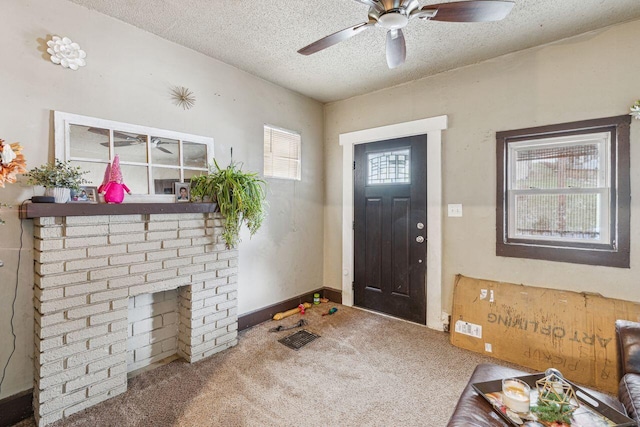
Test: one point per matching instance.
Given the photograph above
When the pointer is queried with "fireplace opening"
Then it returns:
(152, 334)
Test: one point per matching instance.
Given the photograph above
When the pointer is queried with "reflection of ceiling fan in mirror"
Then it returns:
(156, 142)
(125, 139)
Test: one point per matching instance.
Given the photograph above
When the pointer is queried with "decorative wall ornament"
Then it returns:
(12, 162)
(183, 97)
(66, 53)
(635, 110)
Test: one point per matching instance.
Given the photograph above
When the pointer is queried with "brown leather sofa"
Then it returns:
(628, 338)
(473, 411)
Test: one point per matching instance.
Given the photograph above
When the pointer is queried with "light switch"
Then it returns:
(455, 210)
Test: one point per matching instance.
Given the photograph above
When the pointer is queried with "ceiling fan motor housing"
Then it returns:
(395, 15)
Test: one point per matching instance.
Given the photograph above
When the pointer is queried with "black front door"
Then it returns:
(390, 205)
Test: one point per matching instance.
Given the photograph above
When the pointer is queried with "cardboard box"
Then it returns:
(541, 328)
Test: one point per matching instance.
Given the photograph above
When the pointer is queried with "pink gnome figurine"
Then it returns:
(105, 180)
(112, 185)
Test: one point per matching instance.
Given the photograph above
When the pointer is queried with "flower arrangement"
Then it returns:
(57, 175)
(12, 162)
(635, 110)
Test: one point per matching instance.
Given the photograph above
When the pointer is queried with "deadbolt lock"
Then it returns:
(420, 226)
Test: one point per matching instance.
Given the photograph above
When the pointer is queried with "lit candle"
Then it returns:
(516, 395)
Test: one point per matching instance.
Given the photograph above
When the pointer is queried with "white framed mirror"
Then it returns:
(151, 159)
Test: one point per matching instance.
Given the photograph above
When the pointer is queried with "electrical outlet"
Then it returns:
(455, 210)
(487, 347)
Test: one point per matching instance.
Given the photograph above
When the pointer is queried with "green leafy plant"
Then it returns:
(202, 188)
(57, 174)
(552, 412)
(240, 197)
(635, 110)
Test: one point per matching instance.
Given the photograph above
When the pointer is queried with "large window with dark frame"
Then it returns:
(563, 192)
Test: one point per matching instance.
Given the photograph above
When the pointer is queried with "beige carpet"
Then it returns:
(365, 370)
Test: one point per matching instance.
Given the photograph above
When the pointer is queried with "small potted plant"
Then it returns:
(58, 179)
(240, 197)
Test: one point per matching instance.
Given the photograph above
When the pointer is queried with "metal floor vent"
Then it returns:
(299, 339)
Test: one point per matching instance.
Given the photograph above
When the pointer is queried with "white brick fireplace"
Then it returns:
(87, 270)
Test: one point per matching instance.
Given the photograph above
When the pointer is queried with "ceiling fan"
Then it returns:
(394, 15)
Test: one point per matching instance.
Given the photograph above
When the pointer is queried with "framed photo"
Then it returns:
(85, 195)
(181, 189)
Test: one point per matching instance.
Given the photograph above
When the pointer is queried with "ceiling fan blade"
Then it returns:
(164, 150)
(372, 3)
(127, 136)
(119, 143)
(471, 11)
(396, 48)
(98, 131)
(335, 38)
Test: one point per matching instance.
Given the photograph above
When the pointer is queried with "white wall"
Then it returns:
(591, 76)
(127, 78)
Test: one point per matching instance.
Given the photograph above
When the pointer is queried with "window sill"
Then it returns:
(606, 258)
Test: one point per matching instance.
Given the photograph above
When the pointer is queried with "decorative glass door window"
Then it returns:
(389, 167)
(151, 159)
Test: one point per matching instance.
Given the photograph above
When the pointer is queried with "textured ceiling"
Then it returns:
(262, 37)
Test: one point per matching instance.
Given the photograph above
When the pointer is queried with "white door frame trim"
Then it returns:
(433, 128)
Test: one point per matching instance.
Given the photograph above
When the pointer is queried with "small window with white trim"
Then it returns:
(282, 157)
(563, 192)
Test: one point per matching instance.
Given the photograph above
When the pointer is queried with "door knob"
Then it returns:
(420, 239)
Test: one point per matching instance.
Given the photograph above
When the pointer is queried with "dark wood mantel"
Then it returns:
(39, 210)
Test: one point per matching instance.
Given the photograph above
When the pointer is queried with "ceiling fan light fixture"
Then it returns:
(393, 20)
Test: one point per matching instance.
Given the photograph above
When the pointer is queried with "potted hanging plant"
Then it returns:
(58, 179)
(240, 197)
(201, 188)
